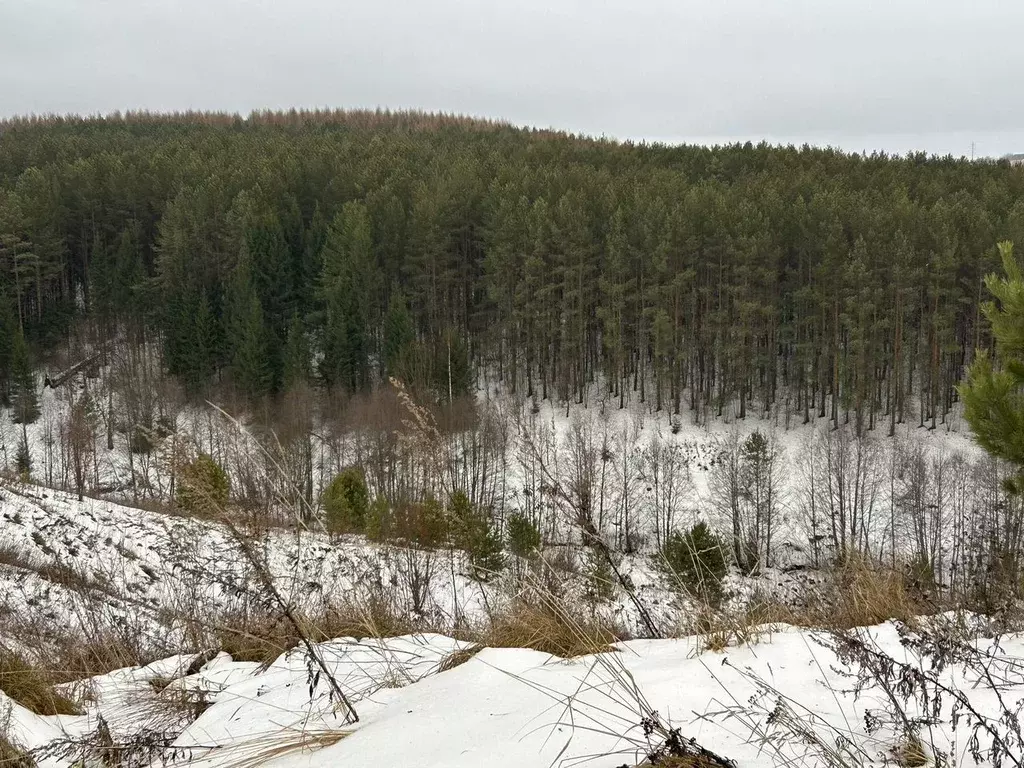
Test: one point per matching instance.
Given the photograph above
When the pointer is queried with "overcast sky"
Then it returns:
(896, 75)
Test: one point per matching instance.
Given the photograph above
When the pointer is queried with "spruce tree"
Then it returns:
(23, 456)
(994, 396)
(248, 336)
(250, 364)
(346, 502)
(398, 337)
(344, 285)
(24, 397)
(198, 353)
(296, 353)
(8, 332)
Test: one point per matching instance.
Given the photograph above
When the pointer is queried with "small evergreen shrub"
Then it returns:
(141, 440)
(23, 459)
(378, 520)
(347, 502)
(203, 487)
(523, 537)
(697, 560)
(473, 532)
(600, 580)
(421, 524)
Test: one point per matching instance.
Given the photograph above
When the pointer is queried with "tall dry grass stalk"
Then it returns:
(32, 687)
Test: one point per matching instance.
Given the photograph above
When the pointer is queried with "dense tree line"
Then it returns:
(343, 248)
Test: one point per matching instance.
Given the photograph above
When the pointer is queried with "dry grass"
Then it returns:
(372, 617)
(13, 757)
(190, 704)
(263, 639)
(14, 557)
(259, 640)
(31, 687)
(262, 750)
(159, 684)
(690, 761)
(84, 658)
(547, 626)
(911, 753)
(860, 594)
(458, 658)
(864, 594)
(717, 630)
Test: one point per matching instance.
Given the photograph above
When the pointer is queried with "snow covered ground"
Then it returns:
(96, 568)
(517, 708)
(63, 558)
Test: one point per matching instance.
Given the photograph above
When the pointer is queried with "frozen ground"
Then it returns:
(509, 707)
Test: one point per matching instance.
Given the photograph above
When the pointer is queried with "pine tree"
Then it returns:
(994, 399)
(398, 337)
(344, 285)
(24, 397)
(296, 353)
(8, 332)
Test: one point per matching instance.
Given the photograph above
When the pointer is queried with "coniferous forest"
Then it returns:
(344, 248)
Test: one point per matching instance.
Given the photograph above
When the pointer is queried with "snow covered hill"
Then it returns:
(95, 566)
(61, 558)
(423, 702)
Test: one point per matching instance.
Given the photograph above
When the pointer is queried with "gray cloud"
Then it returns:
(897, 75)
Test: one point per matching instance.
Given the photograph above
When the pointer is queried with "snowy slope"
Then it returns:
(152, 565)
(67, 564)
(94, 567)
(521, 708)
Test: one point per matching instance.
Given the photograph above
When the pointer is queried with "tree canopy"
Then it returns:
(760, 278)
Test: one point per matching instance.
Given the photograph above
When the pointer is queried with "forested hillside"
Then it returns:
(388, 377)
(343, 248)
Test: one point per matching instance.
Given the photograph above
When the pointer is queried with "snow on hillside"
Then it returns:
(698, 445)
(61, 558)
(165, 569)
(519, 708)
(94, 567)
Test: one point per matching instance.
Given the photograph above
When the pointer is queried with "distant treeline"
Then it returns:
(344, 247)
